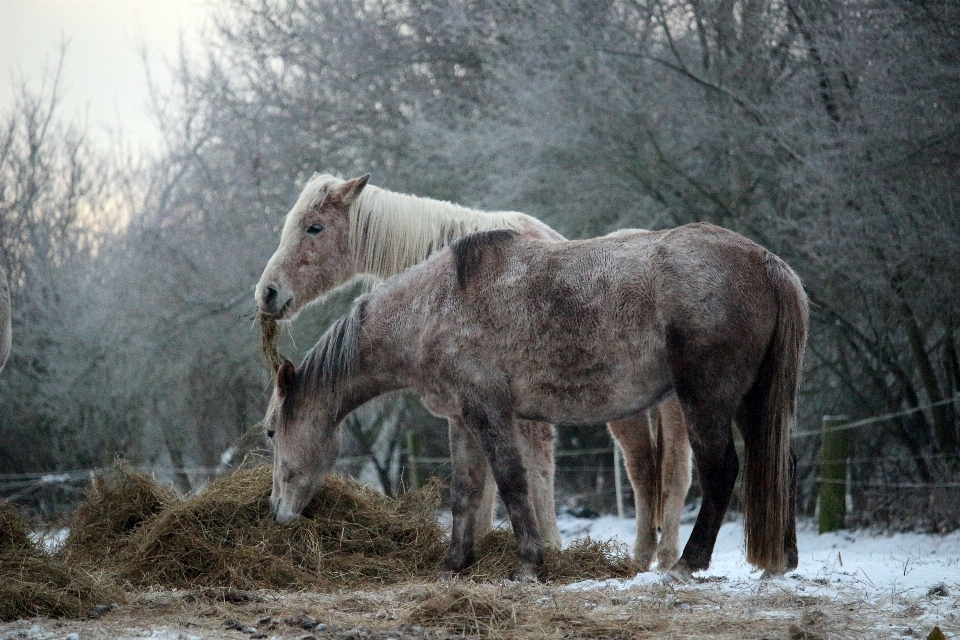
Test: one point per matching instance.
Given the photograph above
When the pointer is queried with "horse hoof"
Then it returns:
(524, 574)
(644, 562)
(444, 575)
(665, 562)
(768, 575)
(678, 573)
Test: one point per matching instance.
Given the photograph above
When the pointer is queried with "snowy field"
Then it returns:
(915, 574)
(848, 585)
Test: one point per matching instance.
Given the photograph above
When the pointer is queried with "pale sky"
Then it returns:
(104, 82)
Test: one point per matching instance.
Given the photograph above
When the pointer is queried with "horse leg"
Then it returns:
(471, 495)
(675, 477)
(634, 436)
(487, 507)
(467, 457)
(711, 437)
(536, 444)
(495, 429)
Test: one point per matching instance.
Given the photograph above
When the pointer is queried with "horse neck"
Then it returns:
(379, 369)
(390, 232)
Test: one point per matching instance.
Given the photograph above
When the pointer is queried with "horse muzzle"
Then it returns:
(272, 300)
(286, 517)
(280, 514)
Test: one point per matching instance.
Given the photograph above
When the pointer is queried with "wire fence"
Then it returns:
(17, 486)
(856, 424)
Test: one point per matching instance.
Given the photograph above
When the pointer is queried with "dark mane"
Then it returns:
(331, 359)
(470, 251)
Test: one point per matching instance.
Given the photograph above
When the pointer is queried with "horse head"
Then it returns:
(306, 441)
(314, 253)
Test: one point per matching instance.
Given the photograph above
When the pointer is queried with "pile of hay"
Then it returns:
(117, 503)
(349, 536)
(585, 559)
(132, 531)
(225, 537)
(33, 583)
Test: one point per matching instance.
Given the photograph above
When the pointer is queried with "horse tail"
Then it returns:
(772, 402)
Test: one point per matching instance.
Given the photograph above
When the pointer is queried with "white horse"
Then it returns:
(379, 233)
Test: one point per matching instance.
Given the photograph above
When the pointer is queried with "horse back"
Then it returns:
(596, 329)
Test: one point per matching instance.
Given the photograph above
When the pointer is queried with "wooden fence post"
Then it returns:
(832, 474)
(413, 452)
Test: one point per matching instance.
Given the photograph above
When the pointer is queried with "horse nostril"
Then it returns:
(269, 295)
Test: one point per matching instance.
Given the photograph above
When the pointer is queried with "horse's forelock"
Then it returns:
(314, 192)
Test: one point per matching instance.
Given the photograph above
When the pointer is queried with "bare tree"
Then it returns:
(53, 201)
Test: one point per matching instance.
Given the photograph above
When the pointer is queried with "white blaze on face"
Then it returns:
(273, 291)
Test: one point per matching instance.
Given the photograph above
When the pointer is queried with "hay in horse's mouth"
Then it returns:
(269, 332)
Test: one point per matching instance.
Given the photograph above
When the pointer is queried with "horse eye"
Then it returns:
(270, 434)
(314, 229)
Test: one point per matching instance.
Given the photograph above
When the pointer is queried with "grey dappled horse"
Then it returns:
(365, 230)
(498, 326)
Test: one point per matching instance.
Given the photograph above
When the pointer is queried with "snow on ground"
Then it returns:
(884, 572)
(848, 585)
(51, 539)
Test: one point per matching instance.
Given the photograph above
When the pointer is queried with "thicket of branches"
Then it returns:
(827, 131)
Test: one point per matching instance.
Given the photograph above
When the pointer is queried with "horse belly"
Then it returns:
(605, 390)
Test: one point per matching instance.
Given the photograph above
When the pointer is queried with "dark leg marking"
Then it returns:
(497, 434)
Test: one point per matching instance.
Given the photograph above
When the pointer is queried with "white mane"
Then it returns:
(390, 232)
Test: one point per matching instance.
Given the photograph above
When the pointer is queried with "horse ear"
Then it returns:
(285, 376)
(351, 189)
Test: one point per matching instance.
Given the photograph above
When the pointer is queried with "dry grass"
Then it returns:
(464, 610)
(132, 531)
(13, 531)
(33, 583)
(356, 559)
(583, 560)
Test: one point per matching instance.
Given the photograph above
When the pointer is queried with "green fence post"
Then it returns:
(832, 474)
(413, 451)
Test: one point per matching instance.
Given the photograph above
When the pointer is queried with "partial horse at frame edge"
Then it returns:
(6, 333)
